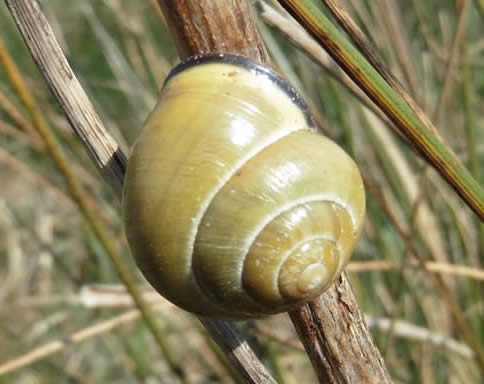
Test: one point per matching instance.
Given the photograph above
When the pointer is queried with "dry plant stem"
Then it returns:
(46, 52)
(338, 345)
(413, 332)
(452, 304)
(360, 40)
(273, 335)
(367, 49)
(443, 268)
(401, 110)
(301, 39)
(402, 329)
(239, 353)
(75, 338)
(202, 27)
(33, 25)
(98, 142)
(82, 201)
(222, 359)
(198, 32)
(271, 17)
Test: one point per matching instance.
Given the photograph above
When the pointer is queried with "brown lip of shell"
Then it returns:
(248, 64)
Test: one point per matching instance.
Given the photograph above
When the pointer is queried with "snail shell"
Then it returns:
(234, 206)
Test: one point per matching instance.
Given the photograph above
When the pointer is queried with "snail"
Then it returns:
(234, 206)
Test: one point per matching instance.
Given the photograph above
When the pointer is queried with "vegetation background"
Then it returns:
(64, 317)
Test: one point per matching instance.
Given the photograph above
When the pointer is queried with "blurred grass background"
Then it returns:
(55, 278)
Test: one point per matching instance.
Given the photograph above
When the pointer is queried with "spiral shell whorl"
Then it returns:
(286, 202)
(233, 206)
(307, 257)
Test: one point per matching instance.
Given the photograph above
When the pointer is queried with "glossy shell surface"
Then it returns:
(234, 207)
